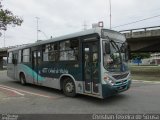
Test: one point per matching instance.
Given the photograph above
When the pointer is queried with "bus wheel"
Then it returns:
(22, 79)
(69, 87)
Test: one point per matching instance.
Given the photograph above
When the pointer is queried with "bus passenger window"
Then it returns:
(10, 57)
(50, 52)
(75, 48)
(26, 55)
(69, 50)
(19, 56)
(45, 56)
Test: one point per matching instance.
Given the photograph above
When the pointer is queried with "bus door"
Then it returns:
(14, 61)
(91, 67)
(36, 60)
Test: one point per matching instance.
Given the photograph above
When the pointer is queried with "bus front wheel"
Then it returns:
(22, 79)
(69, 87)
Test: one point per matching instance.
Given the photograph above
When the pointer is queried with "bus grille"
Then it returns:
(122, 76)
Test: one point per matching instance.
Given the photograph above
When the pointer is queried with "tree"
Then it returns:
(140, 55)
(8, 18)
(137, 57)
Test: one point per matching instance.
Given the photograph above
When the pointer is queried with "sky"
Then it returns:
(61, 17)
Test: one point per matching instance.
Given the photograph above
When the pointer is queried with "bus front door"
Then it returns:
(36, 59)
(91, 67)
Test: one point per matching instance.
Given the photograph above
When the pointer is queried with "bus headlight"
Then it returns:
(111, 82)
(129, 77)
(106, 77)
(108, 80)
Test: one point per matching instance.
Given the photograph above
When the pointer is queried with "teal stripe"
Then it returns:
(31, 73)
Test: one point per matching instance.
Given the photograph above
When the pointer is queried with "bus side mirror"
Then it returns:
(107, 48)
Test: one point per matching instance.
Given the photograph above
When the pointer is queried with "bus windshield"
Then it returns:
(116, 59)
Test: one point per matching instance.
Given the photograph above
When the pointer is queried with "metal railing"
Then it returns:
(141, 29)
(10, 47)
(142, 32)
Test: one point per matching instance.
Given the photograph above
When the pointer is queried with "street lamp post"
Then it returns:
(43, 33)
(110, 14)
(4, 35)
(37, 27)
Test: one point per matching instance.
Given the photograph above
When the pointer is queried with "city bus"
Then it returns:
(93, 62)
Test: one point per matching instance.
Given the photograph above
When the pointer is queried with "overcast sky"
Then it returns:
(60, 17)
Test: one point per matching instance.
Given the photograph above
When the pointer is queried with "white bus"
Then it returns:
(91, 62)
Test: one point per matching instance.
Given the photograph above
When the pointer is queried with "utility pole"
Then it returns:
(85, 26)
(4, 35)
(110, 4)
(37, 18)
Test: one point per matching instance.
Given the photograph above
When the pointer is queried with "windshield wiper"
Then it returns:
(117, 48)
(122, 47)
(114, 45)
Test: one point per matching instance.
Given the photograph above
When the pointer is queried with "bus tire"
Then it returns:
(69, 88)
(22, 79)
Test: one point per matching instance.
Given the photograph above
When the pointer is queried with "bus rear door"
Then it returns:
(14, 61)
(36, 61)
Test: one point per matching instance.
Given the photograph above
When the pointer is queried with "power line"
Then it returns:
(144, 11)
(137, 21)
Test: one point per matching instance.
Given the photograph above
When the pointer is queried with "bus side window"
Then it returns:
(75, 48)
(15, 58)
(63, 50)
(10, 57)
(19, 56)
(26, 55)
(50, 52)
(69, 50)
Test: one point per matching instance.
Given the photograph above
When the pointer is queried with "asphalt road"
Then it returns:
(142, 97)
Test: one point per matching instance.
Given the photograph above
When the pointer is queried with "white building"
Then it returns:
(154, 59)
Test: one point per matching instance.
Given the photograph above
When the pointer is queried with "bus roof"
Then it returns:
(73, 35)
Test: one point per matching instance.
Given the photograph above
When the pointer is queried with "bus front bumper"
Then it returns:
(108, 90)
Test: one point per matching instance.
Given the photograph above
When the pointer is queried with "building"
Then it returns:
(155, 58)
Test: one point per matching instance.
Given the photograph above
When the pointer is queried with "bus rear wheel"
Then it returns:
(22, 79)
(69, 87)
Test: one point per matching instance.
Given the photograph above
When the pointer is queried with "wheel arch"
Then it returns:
(62, 78)
(21, 73)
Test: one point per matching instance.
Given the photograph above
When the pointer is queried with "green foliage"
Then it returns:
(140, 55)
(8, 18)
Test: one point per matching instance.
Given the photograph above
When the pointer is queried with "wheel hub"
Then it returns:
(69, 87)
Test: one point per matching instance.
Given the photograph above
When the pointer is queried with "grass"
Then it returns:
(148, 73)
(145, 78)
